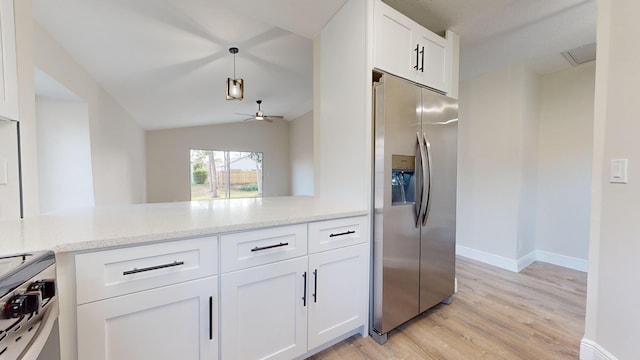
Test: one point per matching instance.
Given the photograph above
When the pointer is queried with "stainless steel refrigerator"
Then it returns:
(414, 200)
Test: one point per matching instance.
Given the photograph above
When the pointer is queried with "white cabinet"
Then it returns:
(8, 63)
(172, 322)
(264, 311)
(405, 49)
(338, 292)
(157, 301)
(292, 307)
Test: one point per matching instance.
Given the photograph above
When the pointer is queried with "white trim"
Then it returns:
(521, 263)
(527, 260)
(590, 350)
(562, 260)
(487, 258)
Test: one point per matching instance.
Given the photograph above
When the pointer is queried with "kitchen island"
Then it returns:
(288, 275)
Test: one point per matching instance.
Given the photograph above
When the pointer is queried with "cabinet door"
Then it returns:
(8, 66)
(171, 322)
(435, 64)
(394, 42)
(338, 292)
(264, 311)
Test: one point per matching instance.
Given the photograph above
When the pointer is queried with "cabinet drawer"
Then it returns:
(331, 234)
(252, 248)
(104, 274)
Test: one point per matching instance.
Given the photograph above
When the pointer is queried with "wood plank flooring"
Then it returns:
(496, 314)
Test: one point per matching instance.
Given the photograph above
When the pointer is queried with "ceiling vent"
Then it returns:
(581, 55)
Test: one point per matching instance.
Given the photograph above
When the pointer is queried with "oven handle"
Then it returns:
(45, 330)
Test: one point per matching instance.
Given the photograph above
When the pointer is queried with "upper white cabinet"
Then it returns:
(405, 49)
(8, 63)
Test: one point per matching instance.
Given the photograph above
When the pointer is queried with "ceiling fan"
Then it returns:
(260, 115)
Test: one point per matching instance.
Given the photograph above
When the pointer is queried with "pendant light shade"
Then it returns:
(235, 87)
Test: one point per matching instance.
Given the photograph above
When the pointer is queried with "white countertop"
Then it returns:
(99, 227)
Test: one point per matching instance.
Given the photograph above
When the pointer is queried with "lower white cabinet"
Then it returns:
(284, 293)
(265, 311)
(171, 322)
(285, 309)
(338, 291)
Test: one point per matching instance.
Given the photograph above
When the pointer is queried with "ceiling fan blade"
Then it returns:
(275, 116)
(267, 119)
(250, 119)
(246, 114)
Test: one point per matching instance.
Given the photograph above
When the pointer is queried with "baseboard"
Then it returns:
(527, 260)
(562, 260)
(590, 350)
(487, 258)
(521, 263)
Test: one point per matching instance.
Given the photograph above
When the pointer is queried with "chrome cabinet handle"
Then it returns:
(136, 270)
(260, 248)
(425, 214)
(315, 285)
(422, 65)
(304, 294)
(417, 55)
(342, 233)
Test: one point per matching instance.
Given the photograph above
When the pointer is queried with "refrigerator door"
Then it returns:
(396, 236)
(437, 251)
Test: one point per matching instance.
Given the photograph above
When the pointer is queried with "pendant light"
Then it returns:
(235, 87)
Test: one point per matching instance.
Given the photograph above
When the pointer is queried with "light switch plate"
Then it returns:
(3, 172)
(618, 171)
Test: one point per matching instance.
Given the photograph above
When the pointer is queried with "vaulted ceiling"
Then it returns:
(166, 61)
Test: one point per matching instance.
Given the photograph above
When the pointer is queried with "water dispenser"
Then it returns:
(403, 179)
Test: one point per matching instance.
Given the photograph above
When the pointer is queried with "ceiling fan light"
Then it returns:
(258, 117)
(235, 89)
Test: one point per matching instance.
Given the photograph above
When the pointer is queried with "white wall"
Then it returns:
(117, 142)
(9, 193)
(342, 125)
(496, 162)
(564, 161)
(168, 159)
(613, 319)
(528, 85)
(301, 154)
(64, 154)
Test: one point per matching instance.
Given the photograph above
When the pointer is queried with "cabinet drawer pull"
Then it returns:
(304, 294)
(136, 270)
(259, 248)
(342, 233)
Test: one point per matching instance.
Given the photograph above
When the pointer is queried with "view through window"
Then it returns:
(225, 174)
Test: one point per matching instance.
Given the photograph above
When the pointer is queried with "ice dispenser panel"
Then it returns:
(403, 179)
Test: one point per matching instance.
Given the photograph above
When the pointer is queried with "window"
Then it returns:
(225, 174)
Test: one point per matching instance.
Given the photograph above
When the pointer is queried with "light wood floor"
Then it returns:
(537, 314)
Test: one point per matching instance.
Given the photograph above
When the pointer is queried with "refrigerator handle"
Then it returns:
(425, 213)
(419, 180)
(423, 189)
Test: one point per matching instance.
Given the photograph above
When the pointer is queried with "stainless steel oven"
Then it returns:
(29, 307)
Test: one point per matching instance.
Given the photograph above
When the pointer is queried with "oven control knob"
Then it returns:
(47, 288)
(23, 304)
